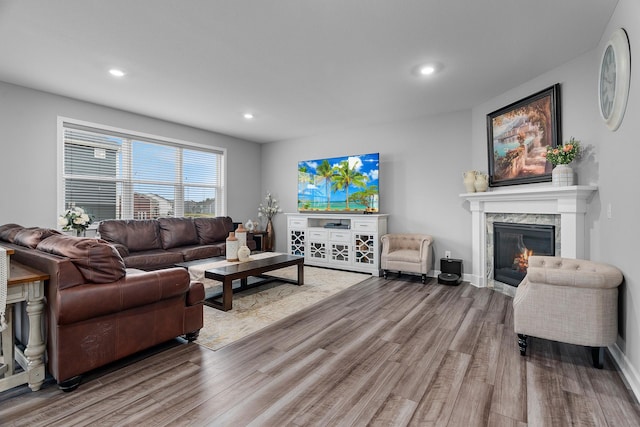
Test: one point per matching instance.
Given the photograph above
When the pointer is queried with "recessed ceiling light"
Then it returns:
(248, 116)
(116, 72)
(429, 69)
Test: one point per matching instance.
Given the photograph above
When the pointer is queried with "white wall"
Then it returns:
(421, 165)
(28, 144)
(611, 160)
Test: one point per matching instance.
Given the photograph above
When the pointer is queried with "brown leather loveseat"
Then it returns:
(163, 242)
(97, 310)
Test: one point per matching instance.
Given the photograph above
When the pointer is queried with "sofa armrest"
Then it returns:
(195, 295)
(573, 272)
(89, 300)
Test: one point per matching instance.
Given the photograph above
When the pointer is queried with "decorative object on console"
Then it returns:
(243, 253)
(241, 235)
(518, 136)
(249, 226)
(76, 219)
(615, 78)
(268, 210)
(232, 247)
(560, 157)
(469, 179)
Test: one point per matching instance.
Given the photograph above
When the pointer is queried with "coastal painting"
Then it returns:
(339, 184)
(518, 137)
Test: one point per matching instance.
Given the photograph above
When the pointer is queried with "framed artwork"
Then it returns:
(518, 137)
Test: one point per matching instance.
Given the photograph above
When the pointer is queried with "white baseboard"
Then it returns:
(474, 280)
(629, 373)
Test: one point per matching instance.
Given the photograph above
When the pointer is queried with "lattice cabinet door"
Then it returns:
(340, 252)
(296, 242)
(317, 251)
(365, 247)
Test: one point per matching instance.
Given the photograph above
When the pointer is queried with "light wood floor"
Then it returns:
(381, 353)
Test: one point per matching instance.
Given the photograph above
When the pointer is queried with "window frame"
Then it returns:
(144, 137)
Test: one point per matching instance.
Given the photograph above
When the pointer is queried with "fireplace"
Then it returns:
(514, 244)
(567, 204)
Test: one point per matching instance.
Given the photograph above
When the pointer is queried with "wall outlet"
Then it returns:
(447, 254)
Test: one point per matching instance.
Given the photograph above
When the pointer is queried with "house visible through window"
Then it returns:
(119, 175)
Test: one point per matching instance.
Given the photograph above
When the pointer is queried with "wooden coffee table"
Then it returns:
(255, 268)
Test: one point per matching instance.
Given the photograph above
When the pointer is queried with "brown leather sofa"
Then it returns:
(163, 242)
(99, 311)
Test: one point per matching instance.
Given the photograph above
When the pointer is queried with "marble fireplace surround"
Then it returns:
(569, 203)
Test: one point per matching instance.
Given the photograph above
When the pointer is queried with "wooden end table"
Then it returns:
(24, 284)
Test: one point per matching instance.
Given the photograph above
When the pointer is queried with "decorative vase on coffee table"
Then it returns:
(562, 176)
(232, 247)
(270, 237)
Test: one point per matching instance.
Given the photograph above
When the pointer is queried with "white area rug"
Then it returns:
(257, 308)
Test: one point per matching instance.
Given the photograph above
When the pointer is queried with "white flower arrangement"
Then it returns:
(270, 208)
(74, 219)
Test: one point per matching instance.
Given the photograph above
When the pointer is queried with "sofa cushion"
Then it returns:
(135, 234)
(9, 231)
(30, 237)
(176, 232)
(97, 260)
(154, 259)
(213, 230)
(189, 253)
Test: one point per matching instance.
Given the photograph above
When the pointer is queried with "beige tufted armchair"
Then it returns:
(569, 300)
(410, 253)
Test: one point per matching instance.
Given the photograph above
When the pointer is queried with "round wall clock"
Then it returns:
(615, 75)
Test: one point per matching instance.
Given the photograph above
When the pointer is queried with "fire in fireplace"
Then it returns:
(514, 244)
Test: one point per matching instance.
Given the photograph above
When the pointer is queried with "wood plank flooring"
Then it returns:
(382, 353)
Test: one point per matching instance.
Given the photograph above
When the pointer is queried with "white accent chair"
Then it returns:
(410, 253)
(568, 300)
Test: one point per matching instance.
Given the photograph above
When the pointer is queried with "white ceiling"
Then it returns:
(303, 67)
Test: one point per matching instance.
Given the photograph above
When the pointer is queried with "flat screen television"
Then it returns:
(339, 184)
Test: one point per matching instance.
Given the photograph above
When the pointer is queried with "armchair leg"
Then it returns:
(597, 354)
(522, 343)
(424, 279)
(384, 274)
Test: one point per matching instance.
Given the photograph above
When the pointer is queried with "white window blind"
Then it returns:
(116, 175)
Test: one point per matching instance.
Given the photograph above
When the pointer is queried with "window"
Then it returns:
(115, 174)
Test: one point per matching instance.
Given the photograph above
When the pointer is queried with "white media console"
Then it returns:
(343, 241)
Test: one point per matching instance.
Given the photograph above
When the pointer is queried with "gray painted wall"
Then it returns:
(421, 164)
(28, 119)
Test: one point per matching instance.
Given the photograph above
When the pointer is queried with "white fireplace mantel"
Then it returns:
(568, 202)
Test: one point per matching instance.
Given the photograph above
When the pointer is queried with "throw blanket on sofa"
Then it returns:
(4, 266)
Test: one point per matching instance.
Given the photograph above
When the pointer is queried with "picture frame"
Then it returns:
(518, 136)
